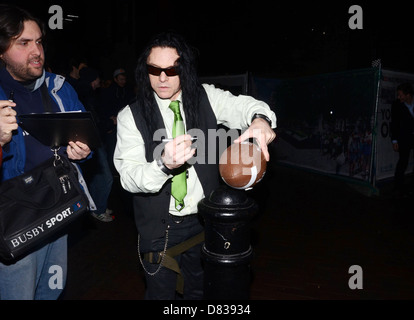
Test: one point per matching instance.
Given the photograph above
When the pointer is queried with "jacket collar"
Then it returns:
(54, 81)
(6, 77)
(39, 81)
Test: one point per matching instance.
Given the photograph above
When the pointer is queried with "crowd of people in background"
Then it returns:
(349, 147)
(103, 98)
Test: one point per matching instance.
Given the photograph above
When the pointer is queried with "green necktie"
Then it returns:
(179, 182)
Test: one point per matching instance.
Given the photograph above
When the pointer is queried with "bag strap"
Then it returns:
(46, 99)
(172, 264)
(184, 246)
(167, 260)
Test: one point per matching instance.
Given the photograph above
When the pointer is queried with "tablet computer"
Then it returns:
(57, 129)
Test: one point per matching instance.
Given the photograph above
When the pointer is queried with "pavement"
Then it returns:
(315, 237)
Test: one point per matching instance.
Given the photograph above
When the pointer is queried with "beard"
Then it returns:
(25, 72)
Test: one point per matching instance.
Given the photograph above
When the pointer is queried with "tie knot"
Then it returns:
(175, 106)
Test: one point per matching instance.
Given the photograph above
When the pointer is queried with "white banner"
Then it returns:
(325, 122)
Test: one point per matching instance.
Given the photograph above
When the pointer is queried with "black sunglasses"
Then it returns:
(170, 72)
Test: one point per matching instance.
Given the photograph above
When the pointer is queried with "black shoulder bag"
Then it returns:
(36, 207)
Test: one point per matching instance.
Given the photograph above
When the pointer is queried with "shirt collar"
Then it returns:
(165, 103)
(409, 105)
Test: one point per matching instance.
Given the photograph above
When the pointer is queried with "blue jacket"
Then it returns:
(14, 155)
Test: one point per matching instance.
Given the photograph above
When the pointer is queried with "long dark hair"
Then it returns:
(187, 67)
(12, 21)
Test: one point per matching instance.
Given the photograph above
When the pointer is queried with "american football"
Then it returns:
(242, 165)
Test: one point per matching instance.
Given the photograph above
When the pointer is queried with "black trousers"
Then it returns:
(402, 164)
(162, 285)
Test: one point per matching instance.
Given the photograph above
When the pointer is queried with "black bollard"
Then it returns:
(227, 251)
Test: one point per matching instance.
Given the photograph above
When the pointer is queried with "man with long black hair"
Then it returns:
(170, 93)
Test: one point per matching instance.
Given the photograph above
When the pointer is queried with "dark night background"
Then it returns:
(266, 38)
(313, 229)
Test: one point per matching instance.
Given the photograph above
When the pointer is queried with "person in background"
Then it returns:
(22, 56)
(402, 133)
(75, 65)
(97, 172)
(114, 98)
(170, 98)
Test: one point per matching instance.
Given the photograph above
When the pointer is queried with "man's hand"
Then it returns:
(262, 132)
(8, 121)
(177, 152)
(77, 150)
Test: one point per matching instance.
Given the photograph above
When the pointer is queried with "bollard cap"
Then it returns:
(228, 204)
(225, 196)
